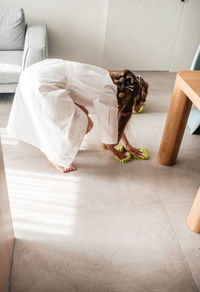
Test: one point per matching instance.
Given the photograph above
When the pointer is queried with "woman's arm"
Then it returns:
(128, 147)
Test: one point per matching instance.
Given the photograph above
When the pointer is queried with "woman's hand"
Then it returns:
(134, 151)
(114, 151)
(130, 148)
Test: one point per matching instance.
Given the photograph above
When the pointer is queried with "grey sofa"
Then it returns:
(20, 46)
(194, 117)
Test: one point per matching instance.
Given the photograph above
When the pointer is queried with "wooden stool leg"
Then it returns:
(193, 220)
(175, 126)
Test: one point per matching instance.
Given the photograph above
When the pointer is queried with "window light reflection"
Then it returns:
(42, 203)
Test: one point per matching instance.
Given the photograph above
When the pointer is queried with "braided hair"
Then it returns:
(131, 94)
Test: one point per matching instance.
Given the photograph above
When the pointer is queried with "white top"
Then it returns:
(44, 113)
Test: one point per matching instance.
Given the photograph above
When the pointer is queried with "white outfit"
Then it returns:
(44, 112)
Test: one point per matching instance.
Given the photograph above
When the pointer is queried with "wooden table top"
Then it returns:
(189, 82)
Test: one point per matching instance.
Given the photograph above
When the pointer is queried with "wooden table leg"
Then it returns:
(193, 220)
(175, 126)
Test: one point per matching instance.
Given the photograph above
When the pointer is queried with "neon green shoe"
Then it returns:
(134, 112)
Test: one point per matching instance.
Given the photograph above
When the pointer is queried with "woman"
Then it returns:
(49, 108)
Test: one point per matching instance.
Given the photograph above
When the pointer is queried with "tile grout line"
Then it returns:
(176, 236)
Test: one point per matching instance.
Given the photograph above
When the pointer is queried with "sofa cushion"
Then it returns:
(12, 29)
(10, 66)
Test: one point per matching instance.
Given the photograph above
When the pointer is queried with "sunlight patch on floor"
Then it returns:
(42, 203)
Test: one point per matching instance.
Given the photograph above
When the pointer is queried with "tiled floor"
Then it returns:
(108, 226)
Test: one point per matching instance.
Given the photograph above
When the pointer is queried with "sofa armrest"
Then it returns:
(35, 45)
(196, 60)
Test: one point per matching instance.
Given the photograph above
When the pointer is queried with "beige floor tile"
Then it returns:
(131, 250)
(189, 241)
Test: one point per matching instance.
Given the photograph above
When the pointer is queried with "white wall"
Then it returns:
(136, 34)
(141, 34)
(188, 37)
(76, 28)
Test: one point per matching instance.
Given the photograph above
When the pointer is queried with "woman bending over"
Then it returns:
(50, 108)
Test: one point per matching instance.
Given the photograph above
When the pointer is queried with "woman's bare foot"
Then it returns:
(63, 169)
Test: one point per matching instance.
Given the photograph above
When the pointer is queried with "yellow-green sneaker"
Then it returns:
(134, 112)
